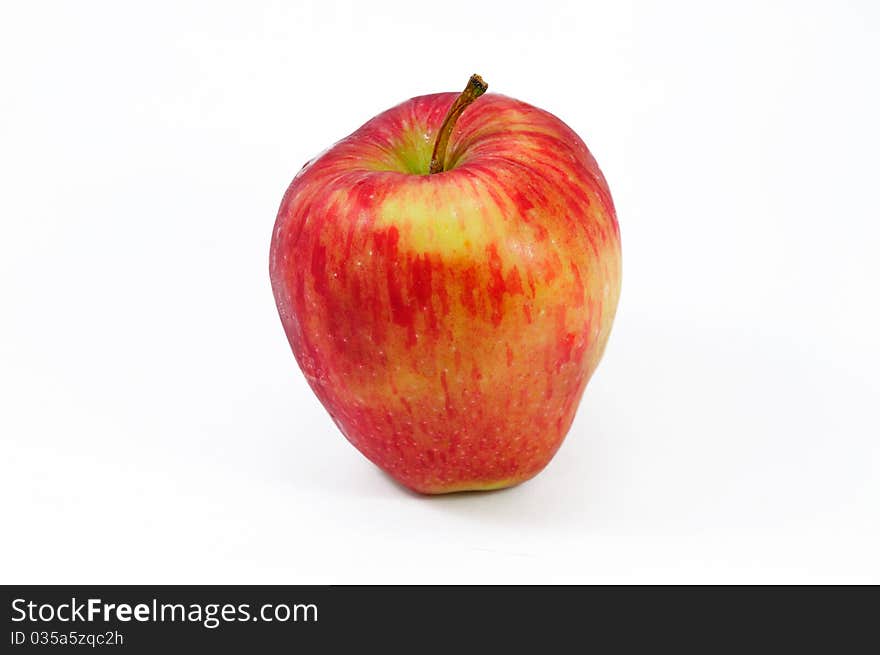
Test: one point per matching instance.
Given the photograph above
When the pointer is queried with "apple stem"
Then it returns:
(474, 89)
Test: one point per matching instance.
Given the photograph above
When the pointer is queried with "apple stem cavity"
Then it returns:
(474, 89)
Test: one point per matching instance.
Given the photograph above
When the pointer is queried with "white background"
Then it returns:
(155, 427)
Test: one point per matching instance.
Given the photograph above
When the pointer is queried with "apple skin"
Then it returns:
(449, 323)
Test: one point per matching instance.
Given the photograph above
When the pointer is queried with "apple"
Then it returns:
(447, 277)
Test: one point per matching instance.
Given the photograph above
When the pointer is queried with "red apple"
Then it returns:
(449, 316)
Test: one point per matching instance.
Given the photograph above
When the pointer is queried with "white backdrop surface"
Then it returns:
(154, 426)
